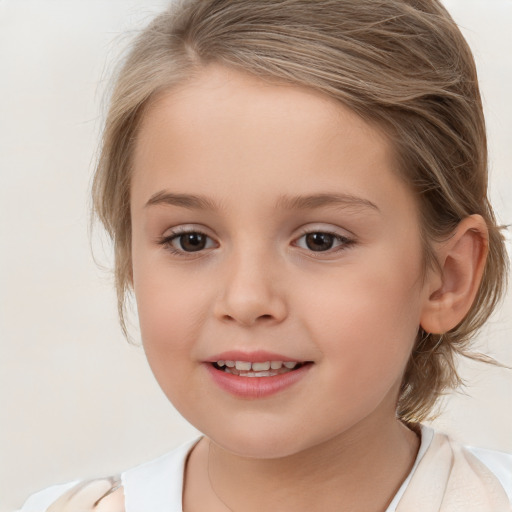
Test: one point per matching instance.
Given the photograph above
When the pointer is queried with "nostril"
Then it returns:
(264, 318)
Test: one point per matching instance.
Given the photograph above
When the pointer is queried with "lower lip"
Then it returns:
(256, 387)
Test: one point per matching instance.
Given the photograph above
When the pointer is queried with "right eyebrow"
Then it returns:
(184, 200)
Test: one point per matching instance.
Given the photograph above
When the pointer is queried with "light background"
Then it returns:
(76, 399)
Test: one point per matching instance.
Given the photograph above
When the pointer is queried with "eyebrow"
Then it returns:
(189, 201)
(311, 202)
(305, 202)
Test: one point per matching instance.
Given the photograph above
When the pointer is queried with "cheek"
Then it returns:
(366, 323)
(170, 320)
(171, 308)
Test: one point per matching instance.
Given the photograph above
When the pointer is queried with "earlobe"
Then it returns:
(462, 260)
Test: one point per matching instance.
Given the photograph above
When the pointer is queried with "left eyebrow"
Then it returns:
(311, 202)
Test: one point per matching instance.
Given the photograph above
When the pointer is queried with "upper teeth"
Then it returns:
(257, 367)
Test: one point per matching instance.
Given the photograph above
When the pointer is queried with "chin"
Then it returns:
(259, 442)
(259, 448)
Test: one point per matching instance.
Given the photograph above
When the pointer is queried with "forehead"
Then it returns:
(226, 129)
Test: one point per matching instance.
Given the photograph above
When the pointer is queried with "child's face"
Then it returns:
(261, 166)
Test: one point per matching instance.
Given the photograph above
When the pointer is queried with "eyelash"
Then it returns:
(166, 241)
(344, 241)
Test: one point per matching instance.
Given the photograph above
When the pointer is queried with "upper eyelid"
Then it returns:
(184, 229)
(331, 233)
(330, 229)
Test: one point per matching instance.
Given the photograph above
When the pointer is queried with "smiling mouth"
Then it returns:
(260, 369)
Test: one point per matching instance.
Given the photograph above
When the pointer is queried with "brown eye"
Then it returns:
(183, 242)
(323, 241)
(191, 242)
(319, 241)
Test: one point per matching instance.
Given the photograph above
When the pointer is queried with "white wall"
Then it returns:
(75, 399)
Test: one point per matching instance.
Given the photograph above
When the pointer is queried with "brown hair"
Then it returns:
(402, 64)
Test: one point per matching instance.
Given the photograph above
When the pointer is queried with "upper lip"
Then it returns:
(257, 356)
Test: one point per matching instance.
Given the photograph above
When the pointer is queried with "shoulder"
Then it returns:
(100, 495)
(41, 500)
(159, 482)
(499, 463)
(151, 481)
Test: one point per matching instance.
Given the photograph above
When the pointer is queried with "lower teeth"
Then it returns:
(269, 373)
(258, 374)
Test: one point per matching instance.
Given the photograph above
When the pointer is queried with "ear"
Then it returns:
(452, 291)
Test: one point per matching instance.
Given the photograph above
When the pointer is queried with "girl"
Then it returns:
(297, 196)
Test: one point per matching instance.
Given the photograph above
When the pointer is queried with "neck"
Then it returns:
(362, 468)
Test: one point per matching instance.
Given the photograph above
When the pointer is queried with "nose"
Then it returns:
(250, 293)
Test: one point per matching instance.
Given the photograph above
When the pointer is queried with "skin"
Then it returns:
(353, 310)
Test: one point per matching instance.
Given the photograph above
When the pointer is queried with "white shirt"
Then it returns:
(157, 485)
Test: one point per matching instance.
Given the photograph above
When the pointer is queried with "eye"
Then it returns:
(322, 241)
(180, 242)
